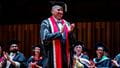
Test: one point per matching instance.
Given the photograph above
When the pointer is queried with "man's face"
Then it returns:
(78, 49)
(57, 12)
(14, 48)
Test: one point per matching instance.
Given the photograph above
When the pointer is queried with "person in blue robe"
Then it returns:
(116, 61)
(14, 58)
(37, 59)
(101, 60)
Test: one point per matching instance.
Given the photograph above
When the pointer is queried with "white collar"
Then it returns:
(79, 55)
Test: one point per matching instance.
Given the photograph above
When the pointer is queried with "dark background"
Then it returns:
(78, 10)
(96, 20)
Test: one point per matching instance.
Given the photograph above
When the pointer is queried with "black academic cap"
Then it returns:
(13, 41)
(60, 3)
(79, 43)
(37, 45)
(100, 44)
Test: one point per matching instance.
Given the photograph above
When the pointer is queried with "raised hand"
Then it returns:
(72, 26)
(114, 62)
(6, 56)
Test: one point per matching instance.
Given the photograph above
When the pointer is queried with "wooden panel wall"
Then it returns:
(27, 34)
(89, 32)
(106, 32)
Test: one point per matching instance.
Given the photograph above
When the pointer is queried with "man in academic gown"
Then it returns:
(55, 32)
(14, 58)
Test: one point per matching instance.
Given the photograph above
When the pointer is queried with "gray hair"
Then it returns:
(56, 6)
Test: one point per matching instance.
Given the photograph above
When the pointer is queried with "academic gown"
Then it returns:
(19, 57)
(103, 62)
(47, 38)
(41, 62)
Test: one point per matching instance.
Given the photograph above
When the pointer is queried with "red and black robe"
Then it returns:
(56, 45)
